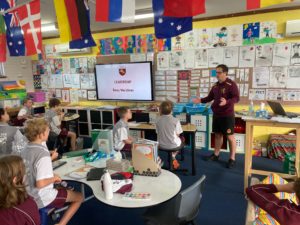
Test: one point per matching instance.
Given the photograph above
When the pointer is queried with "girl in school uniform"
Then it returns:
(16, 206)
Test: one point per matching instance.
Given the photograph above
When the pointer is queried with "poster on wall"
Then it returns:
(201, 58)
(119, 45)
(220, 37)
(295, 54)
(130, 46)
(141, 43)
(235, 35)
(231, 56)
(274, 94)
(278, 77)
(204, 38)
(251, 33)
(65, 96)
(151, 43)
(91, 95)
(189, 59)
(164, 44)
(247, 56)
(264, 54)
(282, 54)
(291, 95)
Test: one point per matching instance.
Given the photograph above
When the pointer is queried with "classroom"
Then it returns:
(155, 112)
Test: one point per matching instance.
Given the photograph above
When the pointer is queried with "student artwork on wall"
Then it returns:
(295, 54)
(58, 81)
(65, 96)
(231, 56)
(91, 95)
(74, 96)
(278, 77)
(251, 33)
(201, 58)
(247, 56)
(264, 54)
(220, 37)
(52, 81)
(58, 93)
(291, 95)
(83, 94)
(151, 43)
(189, 59)
(235, 35)
(119, 45)
(261, 77)
(164, 44)
(141, 43)
(130, 44)
(106, 47)
(163, 60)
(91, 61)
(177, 43)
(215, 57)
(87, 81)
(44, 82)
(51, 93)
(37, 82)
(282, 54)
(257, 94)
(268, 32)
(176, 60)
(204, 38)
(66, 65)
(74, 65)
(190, 39)
(55, 66)
(274, 94)
(293, 80)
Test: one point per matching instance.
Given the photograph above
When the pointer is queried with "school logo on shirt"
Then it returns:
(122, 71)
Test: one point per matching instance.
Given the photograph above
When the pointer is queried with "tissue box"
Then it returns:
(119, 166)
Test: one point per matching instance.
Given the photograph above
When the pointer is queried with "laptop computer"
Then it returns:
(279, 110)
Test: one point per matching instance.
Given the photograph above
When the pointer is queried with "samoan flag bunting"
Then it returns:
(167, 27)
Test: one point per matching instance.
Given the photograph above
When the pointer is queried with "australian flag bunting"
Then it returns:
(167, 27)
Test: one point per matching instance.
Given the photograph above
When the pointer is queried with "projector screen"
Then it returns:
(129, 81)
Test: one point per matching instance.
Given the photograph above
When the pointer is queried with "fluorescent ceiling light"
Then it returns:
(48, 27)
(143, 16)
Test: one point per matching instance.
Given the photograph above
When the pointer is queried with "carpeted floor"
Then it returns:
(223, 199)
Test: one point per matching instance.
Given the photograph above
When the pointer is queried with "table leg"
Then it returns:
(248, 153)
(297, 161)
(193, 138)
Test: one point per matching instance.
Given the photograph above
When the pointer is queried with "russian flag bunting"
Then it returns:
(115, 11)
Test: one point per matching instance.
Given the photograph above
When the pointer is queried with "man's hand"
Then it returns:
(196, 100)
(223, 102)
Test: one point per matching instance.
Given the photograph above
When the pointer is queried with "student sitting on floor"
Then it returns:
(284, 211)
(26, 112)
(122, 140)
(11, 139)
(168, 130)
(40, 175)
(54, 117)
(16, 206)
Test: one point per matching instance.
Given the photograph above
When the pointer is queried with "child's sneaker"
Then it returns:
(176, 164)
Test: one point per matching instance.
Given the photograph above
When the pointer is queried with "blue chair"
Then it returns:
(44, 214)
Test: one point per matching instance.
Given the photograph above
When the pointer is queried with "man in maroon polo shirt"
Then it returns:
(224, 95)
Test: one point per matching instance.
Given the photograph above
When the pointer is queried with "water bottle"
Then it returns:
(251, 109)
(107, 185)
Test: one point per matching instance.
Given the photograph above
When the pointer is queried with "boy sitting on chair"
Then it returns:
(26, 112)
(168, 129)
(122, 140)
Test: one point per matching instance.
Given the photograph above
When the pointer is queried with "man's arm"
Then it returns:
(209, 98)
(263, 196)
(235, 95)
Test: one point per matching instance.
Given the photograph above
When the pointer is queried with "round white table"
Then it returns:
(161, 188)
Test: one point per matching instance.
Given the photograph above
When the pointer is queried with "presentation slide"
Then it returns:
(130, 81)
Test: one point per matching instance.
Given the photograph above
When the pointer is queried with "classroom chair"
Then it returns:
(169, 152)
(183, 209)
(45, 213)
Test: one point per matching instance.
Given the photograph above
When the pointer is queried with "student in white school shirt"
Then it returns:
(168, 129)
(26, 112)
